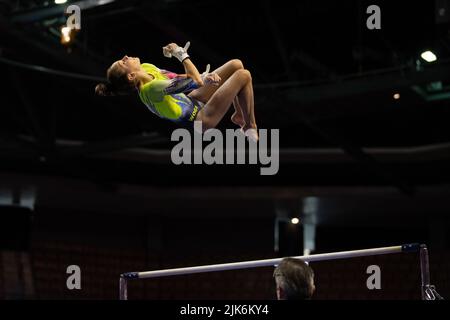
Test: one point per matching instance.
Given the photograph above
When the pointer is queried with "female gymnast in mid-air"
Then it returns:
(185, 98)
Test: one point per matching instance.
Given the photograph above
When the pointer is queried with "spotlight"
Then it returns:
(295, 220)
(397, 96)
(428, 56)
(65, 35)
(60, 1)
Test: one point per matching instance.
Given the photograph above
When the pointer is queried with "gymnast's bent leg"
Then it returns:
(225, 72)
(239, 84)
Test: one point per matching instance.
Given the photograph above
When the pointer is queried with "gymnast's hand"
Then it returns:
(173, 50)
(210, 78)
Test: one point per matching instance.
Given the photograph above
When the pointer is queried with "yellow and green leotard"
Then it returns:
(165, 95)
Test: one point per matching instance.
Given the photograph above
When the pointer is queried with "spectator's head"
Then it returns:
(294, 280)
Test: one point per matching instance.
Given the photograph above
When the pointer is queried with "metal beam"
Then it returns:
(44, 143)
(73, 149)
(276, 36)
(363, 85)
(130, 149)
(103, 147)
(56, 10)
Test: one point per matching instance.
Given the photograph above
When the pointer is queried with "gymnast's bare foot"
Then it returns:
(251, 131)
(237, 119)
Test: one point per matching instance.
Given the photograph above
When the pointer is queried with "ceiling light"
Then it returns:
(428, 56)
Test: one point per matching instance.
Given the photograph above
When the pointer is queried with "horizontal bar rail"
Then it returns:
(415, 247)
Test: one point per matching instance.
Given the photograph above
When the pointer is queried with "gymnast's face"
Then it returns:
(128, 64)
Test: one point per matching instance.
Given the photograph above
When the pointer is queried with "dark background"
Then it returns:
(88, 180)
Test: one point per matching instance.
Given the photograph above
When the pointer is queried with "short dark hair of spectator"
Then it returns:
(294, 279)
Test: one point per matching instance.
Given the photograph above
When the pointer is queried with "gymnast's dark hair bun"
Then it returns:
(104, 90)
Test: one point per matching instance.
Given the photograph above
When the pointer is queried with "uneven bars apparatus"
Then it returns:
(426, 288)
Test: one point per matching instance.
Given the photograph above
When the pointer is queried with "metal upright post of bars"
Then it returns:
(123, 283)
(424, 270)
(123, 288)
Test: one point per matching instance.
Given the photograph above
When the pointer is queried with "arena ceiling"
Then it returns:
(320, 76)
